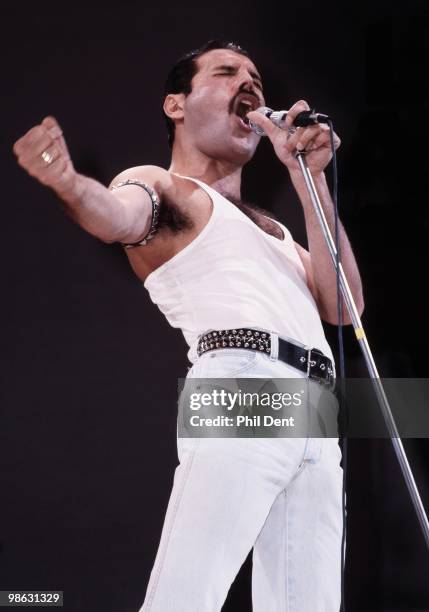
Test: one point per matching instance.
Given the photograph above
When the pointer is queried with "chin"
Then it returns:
(242, 149)
(237, 149)
(231, 148)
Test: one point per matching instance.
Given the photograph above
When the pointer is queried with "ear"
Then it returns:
(173, 105)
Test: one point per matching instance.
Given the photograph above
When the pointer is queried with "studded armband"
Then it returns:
(155, 211)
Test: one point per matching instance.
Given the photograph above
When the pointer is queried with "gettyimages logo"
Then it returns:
(300, 408)
(255, 407)
(221, 397)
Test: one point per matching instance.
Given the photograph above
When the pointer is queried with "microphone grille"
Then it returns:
(264, 110)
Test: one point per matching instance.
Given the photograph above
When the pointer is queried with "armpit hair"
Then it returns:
(173, 218)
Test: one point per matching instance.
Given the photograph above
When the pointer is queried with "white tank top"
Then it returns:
(232, 275)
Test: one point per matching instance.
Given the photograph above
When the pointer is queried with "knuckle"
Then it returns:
(34, 134)
(42, 132)
(54, 132)
(301, 104)
(50, 122)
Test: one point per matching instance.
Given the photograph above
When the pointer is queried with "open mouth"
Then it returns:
(242, 106)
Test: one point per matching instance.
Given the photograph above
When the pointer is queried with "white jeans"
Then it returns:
(281, 496)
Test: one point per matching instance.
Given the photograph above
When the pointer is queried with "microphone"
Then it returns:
(303, 119)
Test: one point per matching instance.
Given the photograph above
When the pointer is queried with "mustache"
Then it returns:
(243, 91)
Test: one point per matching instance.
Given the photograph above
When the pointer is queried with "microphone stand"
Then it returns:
(363, 342)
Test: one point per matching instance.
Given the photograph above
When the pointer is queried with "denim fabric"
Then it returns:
(281, 496)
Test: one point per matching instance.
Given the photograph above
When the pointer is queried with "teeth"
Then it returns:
(243, 107)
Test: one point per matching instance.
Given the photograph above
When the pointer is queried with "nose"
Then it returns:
(245, 79)
(245, 83)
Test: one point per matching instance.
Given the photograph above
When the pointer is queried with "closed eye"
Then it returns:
(257, 83)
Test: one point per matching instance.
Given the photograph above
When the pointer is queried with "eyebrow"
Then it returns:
(230, 68)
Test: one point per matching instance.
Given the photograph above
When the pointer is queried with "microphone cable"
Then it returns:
(341, 397)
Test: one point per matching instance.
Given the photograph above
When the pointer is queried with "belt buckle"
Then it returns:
(323, 379)
(309, 363)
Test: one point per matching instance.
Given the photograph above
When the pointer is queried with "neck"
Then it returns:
(219, 174)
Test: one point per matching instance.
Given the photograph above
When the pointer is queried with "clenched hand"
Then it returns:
(43, 153)
(314, 139)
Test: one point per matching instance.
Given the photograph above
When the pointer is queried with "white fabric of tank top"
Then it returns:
(232, 275)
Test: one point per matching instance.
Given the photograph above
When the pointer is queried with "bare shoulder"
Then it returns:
(156, 177)
(173, 189)
(185, 209)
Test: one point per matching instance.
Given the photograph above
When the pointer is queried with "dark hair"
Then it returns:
(180, 76)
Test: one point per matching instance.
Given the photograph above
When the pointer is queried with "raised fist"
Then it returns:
(43, 153)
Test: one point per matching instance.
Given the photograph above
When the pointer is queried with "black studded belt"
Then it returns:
(310, 361)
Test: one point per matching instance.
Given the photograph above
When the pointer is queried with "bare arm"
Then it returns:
(123, 215)
(321, 275)
(120, 216)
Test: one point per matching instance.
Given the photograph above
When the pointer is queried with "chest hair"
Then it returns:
(175, 220)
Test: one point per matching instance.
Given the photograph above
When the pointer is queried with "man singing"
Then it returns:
(249, 301)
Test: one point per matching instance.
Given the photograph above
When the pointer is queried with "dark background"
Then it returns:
(90, 366)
